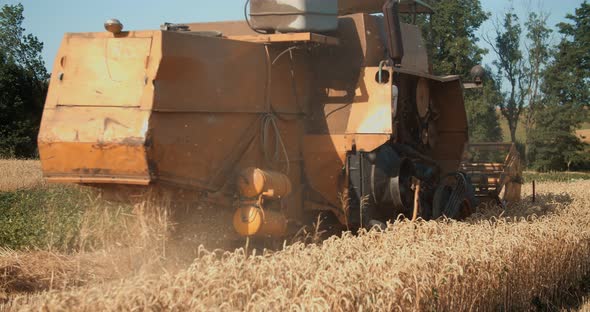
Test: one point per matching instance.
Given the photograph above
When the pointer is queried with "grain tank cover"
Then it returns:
(294, 15)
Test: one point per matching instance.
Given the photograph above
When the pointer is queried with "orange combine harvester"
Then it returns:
(316, 106)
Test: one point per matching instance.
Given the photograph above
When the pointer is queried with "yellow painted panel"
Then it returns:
(94, 145)
(93, 124)
(103, 71)
(371, 109)
(79, 161)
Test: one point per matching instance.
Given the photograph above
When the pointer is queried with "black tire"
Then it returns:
(457, 211)
(377, 224)
(441, 197)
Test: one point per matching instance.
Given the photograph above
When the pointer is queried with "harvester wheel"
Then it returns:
(441, 197)
(453, 198)
(377, 224)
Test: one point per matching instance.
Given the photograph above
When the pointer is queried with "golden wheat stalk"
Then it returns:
(528, 257)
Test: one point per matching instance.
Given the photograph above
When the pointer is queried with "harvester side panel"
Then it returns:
(450, 125)
(95, 126)
(209, 121)
(94, 145)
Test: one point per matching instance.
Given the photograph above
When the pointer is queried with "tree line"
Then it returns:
(23, 85)
(533, 84)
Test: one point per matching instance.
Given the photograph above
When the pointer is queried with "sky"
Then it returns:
(49, 20)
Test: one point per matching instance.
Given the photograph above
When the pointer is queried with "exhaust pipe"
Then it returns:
(395, 45)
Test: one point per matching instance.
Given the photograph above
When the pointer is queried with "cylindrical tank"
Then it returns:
(252, 182)
(294, 15)
(250, 220)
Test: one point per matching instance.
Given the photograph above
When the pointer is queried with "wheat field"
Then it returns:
(527, 257)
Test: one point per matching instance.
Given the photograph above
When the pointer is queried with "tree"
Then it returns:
(566, 86)
(522, 71)
(480, 105)
(509, 66)
(18, 47)
(451, 35)
(553, 144)
(453, 48)
(23, 85)
(538, 36)
(567, 79)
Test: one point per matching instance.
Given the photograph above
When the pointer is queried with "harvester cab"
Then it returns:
(306, 106)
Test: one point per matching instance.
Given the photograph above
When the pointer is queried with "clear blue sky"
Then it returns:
(49, 20)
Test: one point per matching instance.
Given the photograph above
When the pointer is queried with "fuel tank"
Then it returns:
(294, 15)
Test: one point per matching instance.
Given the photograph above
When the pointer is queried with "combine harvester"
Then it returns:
(308, 106)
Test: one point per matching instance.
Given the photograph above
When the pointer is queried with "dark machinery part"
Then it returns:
(380, 186)
(391, 180)
(454, 198)
(355, 187)
(175, 27)
(477, 73)
(395, 46)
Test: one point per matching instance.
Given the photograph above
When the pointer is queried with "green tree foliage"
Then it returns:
(566, 85)
(480, 105)
(553, 144)
(23, 85)
(453, 48)
(521, 67)
(538, 36)
(451, 35)
(509, 66)
(567, 79)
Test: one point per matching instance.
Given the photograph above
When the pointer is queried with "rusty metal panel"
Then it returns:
(365, 110)
(95, 126)
(361, 45)
(448, 101)
(340, 79)
(324, 163)
(89, 144)
(203, 74)
(92, 163)
(185, 154)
